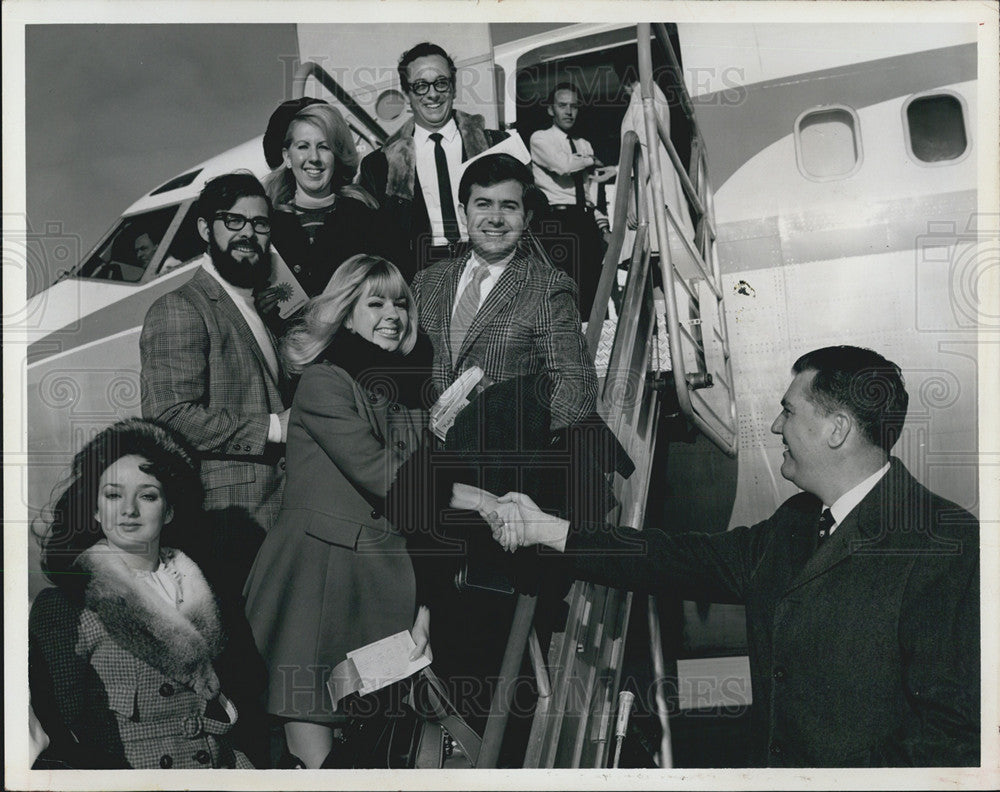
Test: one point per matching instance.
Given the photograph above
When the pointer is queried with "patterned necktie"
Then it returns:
(465, 309)
(824, 525)
(448, 215)
(581, 198)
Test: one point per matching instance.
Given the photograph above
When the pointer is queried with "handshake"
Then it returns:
(514, 518)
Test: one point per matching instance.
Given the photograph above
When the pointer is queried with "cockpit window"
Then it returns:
(130, 249)
(186, 242)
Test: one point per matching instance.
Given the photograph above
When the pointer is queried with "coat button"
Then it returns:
(775, 748)
(246, 447)
(202, 757)
(779, 673)
(166, 690)
(166, 761)
(395, 408)
(375, 515)
(401, 445)
(373, 397)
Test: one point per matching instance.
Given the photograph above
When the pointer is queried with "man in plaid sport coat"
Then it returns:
(527, 319)
(210, 372)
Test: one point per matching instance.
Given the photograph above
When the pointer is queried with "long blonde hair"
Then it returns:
(325, 313)
(280, 183)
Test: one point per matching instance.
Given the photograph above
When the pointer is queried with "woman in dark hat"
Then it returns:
(320, 217)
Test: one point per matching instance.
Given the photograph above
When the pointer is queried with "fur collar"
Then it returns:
(179, 642)
(402, 161)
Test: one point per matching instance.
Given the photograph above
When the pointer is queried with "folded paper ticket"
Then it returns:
(453, 401)
(374, 666)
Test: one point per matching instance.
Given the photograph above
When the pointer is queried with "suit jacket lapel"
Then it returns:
(227, 308)
(860, 529)
(506, 288)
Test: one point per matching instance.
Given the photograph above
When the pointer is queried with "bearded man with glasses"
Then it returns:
(415, 175)
(210, 372)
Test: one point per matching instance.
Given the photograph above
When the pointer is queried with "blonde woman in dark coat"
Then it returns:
(334, 575)
(121, 651)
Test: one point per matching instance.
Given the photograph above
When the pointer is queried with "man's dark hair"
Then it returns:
(563, 86)
(494, 169)
(864, 383)
(222, 192)
(422, 50)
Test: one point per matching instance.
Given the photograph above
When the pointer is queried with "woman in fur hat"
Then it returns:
(320, 217)
(334, 574)
(121, 650)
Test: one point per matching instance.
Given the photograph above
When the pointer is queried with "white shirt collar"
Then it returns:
(495, 269)
(448, 132)
(845, 504)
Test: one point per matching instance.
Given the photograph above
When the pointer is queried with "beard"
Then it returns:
(242, 273)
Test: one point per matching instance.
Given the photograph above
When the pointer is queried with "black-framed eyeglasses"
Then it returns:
(441, 85)
(236, 222)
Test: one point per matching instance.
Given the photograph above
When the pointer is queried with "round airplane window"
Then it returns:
(390, 105)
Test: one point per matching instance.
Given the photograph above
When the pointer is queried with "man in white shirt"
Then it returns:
(415, 175)
(861, 591)
(562, 163)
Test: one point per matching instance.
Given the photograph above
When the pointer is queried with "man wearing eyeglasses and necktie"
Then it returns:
(415, 175)
(563, 163)
(210, 372)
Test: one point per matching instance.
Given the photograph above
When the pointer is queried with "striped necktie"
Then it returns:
(466, 309)
(824, 525)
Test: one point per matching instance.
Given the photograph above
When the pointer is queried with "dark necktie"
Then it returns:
(824, 525)
(466, 309)
(581, 197)
(448, 215)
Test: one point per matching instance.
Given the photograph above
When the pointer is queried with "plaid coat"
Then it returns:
(203, 375)
(126, 674)
(529, 323)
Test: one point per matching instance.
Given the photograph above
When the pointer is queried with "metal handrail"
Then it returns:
(314, 70)
(727, 444)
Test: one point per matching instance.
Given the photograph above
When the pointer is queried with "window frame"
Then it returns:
(904, 115)
(797, 135)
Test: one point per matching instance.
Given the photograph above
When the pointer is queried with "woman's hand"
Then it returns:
(421, 634)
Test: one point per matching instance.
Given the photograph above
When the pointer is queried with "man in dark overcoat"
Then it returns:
(861, 591)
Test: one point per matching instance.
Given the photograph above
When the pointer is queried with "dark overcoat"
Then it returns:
(349, 229)
(863, 652)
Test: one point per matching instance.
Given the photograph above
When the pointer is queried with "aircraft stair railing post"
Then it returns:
(375, 135)
(574, 726)
(720, 429)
